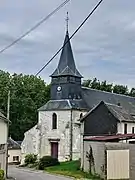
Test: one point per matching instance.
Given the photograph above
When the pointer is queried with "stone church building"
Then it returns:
(58, 132)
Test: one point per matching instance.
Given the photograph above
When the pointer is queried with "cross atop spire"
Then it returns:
(67, 19)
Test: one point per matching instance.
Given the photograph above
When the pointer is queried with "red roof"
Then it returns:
(110, 137)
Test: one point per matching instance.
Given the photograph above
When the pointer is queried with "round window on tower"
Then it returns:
(59, 88)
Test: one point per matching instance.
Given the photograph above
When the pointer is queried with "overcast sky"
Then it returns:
(103, 48)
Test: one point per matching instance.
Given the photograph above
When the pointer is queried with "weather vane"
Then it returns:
(67, 19)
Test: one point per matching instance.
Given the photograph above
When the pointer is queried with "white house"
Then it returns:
(3, 141)
(14, 152)
(58, 130)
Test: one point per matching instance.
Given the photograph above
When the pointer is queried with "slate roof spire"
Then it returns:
(66, 65)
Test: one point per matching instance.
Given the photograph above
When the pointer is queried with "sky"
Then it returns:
(103, 48)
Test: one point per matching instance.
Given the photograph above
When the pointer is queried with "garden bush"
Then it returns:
(30, 159)
(47, 161)
(1, 174)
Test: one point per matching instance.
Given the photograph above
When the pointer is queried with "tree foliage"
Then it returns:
(47, 161)
(132, 92)
(28, 93)
(96, 84)
(104, 86)
(120, 89)
(30, 159)
(2, 174)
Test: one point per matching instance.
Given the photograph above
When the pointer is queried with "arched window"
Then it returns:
(54, 121)
(81, 115)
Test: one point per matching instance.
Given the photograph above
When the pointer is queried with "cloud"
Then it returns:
(103, 48)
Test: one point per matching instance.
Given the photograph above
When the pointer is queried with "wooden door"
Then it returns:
(54, 149)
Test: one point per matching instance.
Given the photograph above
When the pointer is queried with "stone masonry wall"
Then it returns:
(62, 133)
(30, 143)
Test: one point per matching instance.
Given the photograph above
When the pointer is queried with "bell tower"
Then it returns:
(66, 79)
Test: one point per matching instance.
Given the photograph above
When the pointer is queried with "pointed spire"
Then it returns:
(66, 65)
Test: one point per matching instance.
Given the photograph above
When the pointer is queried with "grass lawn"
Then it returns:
(70, 169)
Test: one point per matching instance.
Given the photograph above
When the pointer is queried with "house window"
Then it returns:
(133, 130)
(54, 121)
(81, 115)
(16, 158)
(125, 128)
(2, 146)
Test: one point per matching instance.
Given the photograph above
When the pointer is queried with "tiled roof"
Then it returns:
(120, 113)
(110, 137)
(66, 64)
(13, 144)
(63, 104)
(93, 97)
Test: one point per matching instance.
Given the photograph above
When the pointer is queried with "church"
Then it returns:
(59, 129)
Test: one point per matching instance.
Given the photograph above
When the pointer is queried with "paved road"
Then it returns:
(24, 174)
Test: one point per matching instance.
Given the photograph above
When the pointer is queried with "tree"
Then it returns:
(4, 87)
(132, 92)
(95, 84)
(86, 83)
(106, 87)
(28, 93)
(109, 87)
(120, 89)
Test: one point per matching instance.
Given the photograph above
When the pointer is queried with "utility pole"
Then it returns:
(8, 105)
(71, 134)
(8, 115)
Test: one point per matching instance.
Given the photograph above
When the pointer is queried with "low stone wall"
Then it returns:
(95, 151)
(3, 160)
(94, 157)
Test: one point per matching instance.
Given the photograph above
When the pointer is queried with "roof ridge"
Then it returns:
(14, 141)
(113, 104)
(67, 68)
(114, 112)
(108, 92)
(83, 117)
(13, 144)
(63, 69)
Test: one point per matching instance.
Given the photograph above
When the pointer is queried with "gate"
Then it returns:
(118, 164)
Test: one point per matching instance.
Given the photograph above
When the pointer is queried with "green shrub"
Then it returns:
(35, 165)
(47, 161)
(1, 174)
(30, 159)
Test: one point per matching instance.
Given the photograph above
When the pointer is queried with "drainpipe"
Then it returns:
(71, 134)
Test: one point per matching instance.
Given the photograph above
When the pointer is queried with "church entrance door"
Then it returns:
(54, 149)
